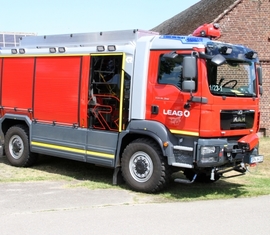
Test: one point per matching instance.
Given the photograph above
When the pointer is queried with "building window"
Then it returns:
(12, 39)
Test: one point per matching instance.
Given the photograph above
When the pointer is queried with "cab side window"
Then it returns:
(170, 71)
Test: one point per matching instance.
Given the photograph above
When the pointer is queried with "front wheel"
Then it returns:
(17, 147)
(143, 166)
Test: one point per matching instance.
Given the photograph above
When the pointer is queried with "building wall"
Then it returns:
(12, 39)
(249, 24)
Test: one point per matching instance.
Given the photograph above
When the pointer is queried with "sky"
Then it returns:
(45, 17)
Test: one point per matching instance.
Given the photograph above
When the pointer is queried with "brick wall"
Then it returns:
(249, 24)
(265, 101)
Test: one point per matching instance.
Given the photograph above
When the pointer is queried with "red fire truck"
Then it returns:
(145, 104)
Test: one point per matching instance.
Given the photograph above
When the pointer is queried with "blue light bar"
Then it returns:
(186, 39)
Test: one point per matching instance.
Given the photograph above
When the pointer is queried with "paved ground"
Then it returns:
(52, 208)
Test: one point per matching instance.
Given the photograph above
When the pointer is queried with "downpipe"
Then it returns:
(185, 181)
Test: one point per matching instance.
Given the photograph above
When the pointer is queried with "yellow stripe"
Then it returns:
(106, 54)
(74, 150)
(122, 93)
(52, 146)
(59, 54)
(106, 155)
(185, 132)
(42, 55)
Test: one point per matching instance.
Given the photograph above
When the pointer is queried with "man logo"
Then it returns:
(239, 119)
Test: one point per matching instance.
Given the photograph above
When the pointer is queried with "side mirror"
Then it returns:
(259, 72)
(189, 67)
(188, 85)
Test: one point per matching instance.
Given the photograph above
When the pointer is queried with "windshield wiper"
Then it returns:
(233, 94)
(249, 95)
(224, 93)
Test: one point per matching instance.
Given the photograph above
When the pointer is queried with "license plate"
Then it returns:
(256, 159)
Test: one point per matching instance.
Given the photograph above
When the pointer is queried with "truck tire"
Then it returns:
(143, 166)
(17, 147)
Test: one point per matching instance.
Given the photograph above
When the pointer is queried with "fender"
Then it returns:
(154, 129)
(15, 117)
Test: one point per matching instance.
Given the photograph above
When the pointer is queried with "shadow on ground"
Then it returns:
(84, 172)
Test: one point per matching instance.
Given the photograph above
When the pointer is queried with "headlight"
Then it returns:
(208, 150)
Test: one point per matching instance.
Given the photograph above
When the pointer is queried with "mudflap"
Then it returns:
(117, 176)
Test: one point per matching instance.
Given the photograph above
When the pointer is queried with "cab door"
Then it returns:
(167, 102)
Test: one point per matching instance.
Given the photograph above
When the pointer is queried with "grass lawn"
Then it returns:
(78, 174)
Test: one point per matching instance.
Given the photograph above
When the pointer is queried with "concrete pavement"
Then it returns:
(52, 208)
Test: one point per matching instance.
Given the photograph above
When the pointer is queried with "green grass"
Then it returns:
(57, 169)
(78, 174)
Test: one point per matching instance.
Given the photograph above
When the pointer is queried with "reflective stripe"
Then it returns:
(74, 150)
(105, 155)
(191, 133)
(42, 55)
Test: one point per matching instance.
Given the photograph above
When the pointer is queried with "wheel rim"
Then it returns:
(141, 166)
(16, 146)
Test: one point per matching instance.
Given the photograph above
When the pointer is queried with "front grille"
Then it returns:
(236, 119)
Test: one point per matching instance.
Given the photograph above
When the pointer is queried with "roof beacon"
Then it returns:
(211, 31)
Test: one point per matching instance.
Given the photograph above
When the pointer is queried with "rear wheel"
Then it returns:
(143, 166)
(17, 147)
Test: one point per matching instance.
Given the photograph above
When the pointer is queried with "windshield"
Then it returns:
(233, 78)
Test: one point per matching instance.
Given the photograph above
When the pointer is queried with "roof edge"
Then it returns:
(227, 11)
(17, 33)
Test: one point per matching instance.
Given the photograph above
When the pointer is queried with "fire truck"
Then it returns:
(144, 104)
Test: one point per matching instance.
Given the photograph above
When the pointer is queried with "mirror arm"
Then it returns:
(187, 104)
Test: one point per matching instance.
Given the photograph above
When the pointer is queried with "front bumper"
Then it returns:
(225, 152)
(192, 152)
